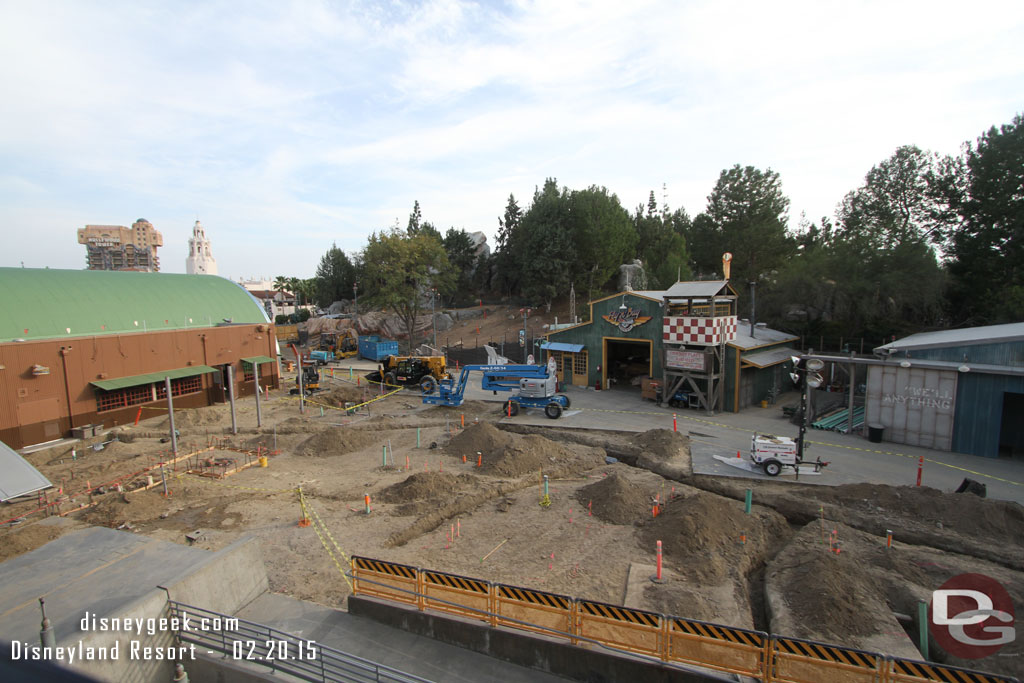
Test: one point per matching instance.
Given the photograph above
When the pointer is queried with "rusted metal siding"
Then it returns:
(36, 408)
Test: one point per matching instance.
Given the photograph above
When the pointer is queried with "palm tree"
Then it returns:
(280, 284)
(295, 285)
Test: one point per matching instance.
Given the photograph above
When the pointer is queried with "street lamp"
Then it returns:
(355, 295)
(433, 316)
(812, 379)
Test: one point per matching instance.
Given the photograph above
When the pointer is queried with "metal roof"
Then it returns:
(764, 336)
(968, 335)
(764, 359)
(258, 359)
(562, 346)
(700, 288)
(17, 476)
(150, 377)
(46, 303)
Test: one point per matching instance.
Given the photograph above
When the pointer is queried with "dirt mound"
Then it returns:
(834, 596)
(703, 535)
(424, 485)
(955, 511)
(117, 509)
(196, 417)
(31, 536)
(512, 455)
(343, 394)
(483, 438)
(662, 443)
(336, 441)
(615, 499)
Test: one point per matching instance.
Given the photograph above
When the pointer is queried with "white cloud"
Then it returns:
(286, 126)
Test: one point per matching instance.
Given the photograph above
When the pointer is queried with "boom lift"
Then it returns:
(535, 387)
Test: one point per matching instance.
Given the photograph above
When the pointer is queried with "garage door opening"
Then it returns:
(1011, 432)
(626, 362)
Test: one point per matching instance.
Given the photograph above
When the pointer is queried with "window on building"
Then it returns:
(122, 398)
(557, 355)
(181, 386)
(247, 371)
(579, 366)
(146, 393)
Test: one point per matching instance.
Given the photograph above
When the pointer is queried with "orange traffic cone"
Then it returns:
(738, 455)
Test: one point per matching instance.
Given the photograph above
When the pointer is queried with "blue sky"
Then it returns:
(286, 126)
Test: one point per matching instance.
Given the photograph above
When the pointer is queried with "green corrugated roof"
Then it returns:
(258, 359)
(45, 303)
(150, 377)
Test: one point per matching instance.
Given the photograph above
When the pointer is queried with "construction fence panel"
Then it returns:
(724, 648)
(456, 594)
(532, 610)
(628, 629)
(912, 671)
(793, 660)
(398, 582)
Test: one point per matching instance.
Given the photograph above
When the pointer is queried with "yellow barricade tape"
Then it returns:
(350, 408)
(317, 524)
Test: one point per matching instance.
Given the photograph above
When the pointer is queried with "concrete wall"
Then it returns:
(552, 655)
(915, 405)
(131, 665)
(225, 582)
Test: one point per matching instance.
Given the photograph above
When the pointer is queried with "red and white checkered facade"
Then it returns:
(699, 331)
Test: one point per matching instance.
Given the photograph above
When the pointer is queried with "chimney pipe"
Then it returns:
(753, 285)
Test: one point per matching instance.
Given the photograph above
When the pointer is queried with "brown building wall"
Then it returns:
(41, 407)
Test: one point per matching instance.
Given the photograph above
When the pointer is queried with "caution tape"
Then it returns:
(349, 408)
(317, 524)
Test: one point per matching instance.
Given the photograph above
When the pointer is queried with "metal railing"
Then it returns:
(240, 641)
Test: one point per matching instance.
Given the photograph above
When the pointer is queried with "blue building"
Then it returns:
(957, 390)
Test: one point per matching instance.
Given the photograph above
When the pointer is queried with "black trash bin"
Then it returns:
(875, 433)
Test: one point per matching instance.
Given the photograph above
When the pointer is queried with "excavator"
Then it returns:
(307, 371)
(343, 344)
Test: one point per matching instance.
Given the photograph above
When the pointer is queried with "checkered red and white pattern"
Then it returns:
(699, 331)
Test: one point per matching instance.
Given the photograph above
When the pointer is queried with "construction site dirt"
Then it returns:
(462, 490)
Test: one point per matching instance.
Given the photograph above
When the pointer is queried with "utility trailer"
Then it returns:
(773, 453)
(535, 387)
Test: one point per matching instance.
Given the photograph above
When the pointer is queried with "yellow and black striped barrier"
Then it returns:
(770, 659)
(398, 582)
(533, 610)
(456, 594)
(911, 671)
(724, 648)
(628, 629)
(795, 661)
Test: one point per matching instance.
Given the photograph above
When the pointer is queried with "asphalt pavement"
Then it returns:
(851, 457)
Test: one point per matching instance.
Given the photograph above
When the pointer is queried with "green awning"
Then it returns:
(258, 359)
(149, 378)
